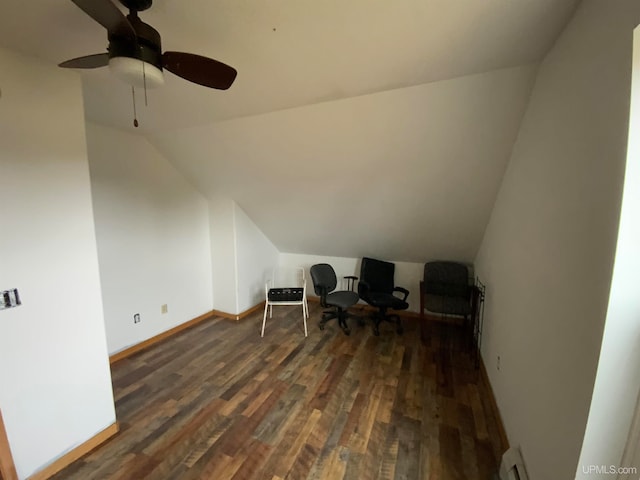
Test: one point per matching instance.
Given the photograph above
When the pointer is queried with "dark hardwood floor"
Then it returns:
(219, 402)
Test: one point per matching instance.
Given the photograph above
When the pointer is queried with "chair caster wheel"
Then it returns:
(346, 331)
(321, 326)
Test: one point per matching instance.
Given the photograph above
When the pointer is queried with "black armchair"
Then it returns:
(445, 289)
(377, 288)
(324, 284)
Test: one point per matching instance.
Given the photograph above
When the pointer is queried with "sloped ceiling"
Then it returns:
(408, 174)
(354, 127)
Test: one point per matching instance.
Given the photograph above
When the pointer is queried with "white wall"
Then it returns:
(407, 174)
(242, 257)
(616, 389)
(55, 382)
(407, 275)
(257, 257)
(152, 229)
(548, 250)
(223, 254)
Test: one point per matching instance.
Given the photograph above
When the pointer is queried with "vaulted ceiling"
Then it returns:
(386, 124)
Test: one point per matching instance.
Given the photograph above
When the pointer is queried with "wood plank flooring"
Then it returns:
(219, 402)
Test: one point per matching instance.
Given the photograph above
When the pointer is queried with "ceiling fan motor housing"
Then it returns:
(148, 48)
(137, 5)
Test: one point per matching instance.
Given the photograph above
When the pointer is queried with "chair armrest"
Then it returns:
(404, 291)
(351, 281)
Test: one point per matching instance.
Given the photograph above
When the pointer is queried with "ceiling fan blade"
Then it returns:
(89, 61)
(109, 16)
(201, 70)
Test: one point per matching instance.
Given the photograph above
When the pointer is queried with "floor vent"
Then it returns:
(512, 466)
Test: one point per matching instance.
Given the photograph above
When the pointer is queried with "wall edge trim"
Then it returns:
(502, 433)
(78, 452)
(7, 467)
(127, 352)
(241, 315)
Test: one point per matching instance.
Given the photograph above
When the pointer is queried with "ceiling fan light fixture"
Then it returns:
(135, 51)
(136, 72)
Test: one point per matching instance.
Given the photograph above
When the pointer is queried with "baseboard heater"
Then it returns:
(512, 465)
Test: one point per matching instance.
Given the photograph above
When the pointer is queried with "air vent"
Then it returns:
(512, 465)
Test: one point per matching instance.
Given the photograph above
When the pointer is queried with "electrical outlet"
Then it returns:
(164, 308)
(136, 318)
(498, 363)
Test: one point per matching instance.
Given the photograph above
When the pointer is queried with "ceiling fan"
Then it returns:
(135, 53)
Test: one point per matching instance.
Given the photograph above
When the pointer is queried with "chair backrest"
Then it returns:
(377, 274)
(324, 278)
(447, 279)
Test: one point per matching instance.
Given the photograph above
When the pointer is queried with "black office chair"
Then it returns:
(376, 287)
(324, 284)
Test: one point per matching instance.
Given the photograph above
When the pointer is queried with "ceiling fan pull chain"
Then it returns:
(135, 114)
(144, 82)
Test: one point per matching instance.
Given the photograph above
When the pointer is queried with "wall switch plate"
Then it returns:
(164, 308)
(9, 299)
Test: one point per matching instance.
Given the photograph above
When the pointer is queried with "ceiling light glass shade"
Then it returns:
(136, 72)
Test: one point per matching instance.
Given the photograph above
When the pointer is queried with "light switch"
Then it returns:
(9, 299)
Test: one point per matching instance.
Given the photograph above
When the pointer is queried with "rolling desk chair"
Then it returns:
(324, 284)
(376, 287)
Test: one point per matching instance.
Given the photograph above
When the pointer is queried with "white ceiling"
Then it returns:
(290, 53)
(409, 174)
(384, 125)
